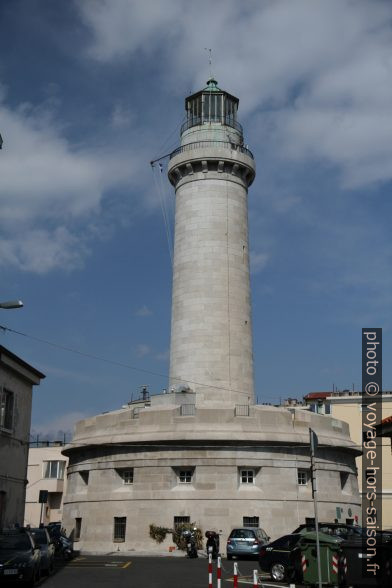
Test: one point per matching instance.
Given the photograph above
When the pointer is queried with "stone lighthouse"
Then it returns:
(211, 332)
(204, 452)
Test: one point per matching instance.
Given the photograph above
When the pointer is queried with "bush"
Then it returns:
(158, 533)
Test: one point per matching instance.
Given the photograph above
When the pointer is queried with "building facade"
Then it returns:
(347, 406)
(47, 472)
(205, 453)
(17, 379)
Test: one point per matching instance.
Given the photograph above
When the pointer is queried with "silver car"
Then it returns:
(245, 542)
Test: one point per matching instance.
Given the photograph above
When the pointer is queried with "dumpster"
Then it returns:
(331, 563)
(368, 567)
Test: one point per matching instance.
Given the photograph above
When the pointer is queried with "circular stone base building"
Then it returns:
(170, 461)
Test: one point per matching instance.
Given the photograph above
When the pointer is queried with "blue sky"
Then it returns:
(92, 90)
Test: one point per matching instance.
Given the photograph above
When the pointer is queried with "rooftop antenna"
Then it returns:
(209, 60)
(145, 394)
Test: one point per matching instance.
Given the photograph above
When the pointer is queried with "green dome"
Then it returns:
(212, 86)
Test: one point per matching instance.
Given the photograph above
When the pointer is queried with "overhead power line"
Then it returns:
(114, 362)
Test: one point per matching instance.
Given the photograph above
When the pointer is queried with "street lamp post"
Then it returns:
(9, 304)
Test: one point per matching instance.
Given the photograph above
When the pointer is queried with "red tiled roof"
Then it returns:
(317, 395)
(387, 420)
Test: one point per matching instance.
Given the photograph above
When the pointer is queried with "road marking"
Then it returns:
(96, 564)
(249, 580)
(126, 565)
(274, 585)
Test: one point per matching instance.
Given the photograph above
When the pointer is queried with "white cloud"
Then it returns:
(121, 116)
(318, 73)
(164, 356)
(64, 423)
(143, 311)
(47, 188)
(40, 251)
(258, 261)
(142, 350)
(122, 27)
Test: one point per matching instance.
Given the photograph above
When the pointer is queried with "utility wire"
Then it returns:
(113, 362)
(170, 136)
(161, 194)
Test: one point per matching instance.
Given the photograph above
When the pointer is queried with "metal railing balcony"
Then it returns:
(204, 144)
(223, 120)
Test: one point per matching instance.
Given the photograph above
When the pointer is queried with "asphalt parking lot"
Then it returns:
(148, 572)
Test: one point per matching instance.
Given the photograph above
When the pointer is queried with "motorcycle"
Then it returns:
(190, 538)
(212, 545)
(65, 547)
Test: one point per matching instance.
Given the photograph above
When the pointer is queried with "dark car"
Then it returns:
(279, 557)
(20, 557)
(46, 544)
(245, 541)
(342, 530)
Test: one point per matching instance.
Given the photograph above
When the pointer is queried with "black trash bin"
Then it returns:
(365, 571)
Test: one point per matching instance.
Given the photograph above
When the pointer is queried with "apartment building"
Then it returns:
(47, 479)
(17, 379)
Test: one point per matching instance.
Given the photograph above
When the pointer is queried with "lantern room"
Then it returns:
(211, 105)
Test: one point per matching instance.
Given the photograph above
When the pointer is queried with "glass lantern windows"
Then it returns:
(212, 107)
(230, 109)
(195, 108)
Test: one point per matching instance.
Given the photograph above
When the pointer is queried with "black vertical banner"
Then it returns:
(372, 564)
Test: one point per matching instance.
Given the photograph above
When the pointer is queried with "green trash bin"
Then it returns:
(331, 567)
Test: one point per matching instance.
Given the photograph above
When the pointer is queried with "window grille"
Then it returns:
(187, 409)
(247, 476)
(54, 500)
(6, 409)
(178, 521)
(185, 476)
(127, 476)
(136, 412)
(242, 410)
(54, 469)
(78, 528)
(250, 522)
(120, 525)
(302, 477)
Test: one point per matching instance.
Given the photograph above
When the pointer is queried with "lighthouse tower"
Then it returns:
(211, 329)
(204, 453)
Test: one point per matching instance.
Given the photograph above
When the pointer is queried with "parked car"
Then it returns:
(47, 547)
(20, 557)
(245, 541)
(342, 530)
(278, 557)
